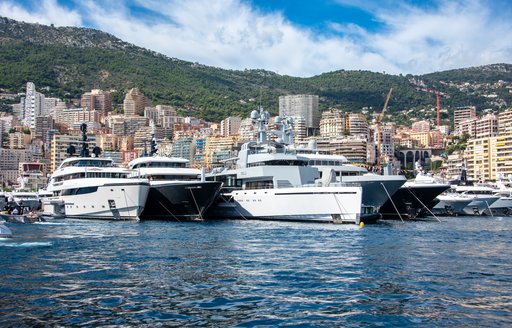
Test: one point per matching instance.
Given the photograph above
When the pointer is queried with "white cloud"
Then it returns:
(46, 12)
(232, 34)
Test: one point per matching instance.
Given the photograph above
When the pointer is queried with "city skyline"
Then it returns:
(297, 38)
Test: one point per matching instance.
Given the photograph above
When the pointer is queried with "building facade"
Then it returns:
(303, 106)
(462, 114)
(332, 123)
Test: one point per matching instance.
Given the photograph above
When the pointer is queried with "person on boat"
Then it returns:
(15, 211)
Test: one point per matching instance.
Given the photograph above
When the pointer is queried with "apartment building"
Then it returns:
(332, 123)
(353, 148)
(230, 126)
(462, 114)
(505, 122)
(247, 130)
(420, 126)
(135, 102)
(481, 159)
(305, 106)
(97, 100)
(218, 148)
(356, 124)
(504, 154)
(61, 143)
(487, 126)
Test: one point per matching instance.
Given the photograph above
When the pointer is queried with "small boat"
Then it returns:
(21, 218)
(5, 232)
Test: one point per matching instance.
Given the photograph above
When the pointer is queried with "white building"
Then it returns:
(33, 105)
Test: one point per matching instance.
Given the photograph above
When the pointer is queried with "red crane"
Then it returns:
(438, 110)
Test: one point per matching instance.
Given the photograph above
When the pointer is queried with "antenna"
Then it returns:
(154, 146)
(85, 146)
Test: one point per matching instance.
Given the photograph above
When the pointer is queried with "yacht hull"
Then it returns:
(317, 204)
(376, 188)
(109, 202)
(452, 206)
(502, 206)
(480, 205)
(412, 201)
(180, 200)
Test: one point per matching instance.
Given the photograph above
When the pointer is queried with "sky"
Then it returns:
(297, 37)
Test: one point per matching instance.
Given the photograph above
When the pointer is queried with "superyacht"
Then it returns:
(177, 192)
(95, 188)
(270, 181)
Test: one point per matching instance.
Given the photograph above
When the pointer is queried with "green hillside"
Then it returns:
(66, 62)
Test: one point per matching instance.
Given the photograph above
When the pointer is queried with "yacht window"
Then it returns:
(173, 177)
(267, 184)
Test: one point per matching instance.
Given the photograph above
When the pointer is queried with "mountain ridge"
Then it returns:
(70, 61)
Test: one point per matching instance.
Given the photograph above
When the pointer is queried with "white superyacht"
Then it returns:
(269, 181)
(95, 188)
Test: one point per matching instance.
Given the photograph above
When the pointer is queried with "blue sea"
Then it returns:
(453, 273)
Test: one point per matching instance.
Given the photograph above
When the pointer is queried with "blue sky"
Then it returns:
(297, 37)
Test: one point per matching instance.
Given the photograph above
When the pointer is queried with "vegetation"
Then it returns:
(66, 62)
(458, 143)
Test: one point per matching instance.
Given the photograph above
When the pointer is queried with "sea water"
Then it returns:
(457, 272)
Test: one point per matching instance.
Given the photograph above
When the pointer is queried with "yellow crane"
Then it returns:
(380, 156)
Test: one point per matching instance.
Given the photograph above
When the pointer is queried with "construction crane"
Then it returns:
(438, 113)
(379, 129)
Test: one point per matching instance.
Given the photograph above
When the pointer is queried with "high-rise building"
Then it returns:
(61, 143)
(353, 148)
(49, 106)
(300, 130)
(247, 130)
(43, 124)
(218, 148)
(487, 126)
(505, 122)
(97, 100)
(467, 126)
(72, 117)
(184, 148)
(301, 105)
(481, 159)
(504, 154)
(33, 105)
(230, 126)
(357, 125)
(135, 102)
(462, 114)
(332, 123)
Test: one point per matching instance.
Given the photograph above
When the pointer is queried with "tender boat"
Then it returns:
(21, 218)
